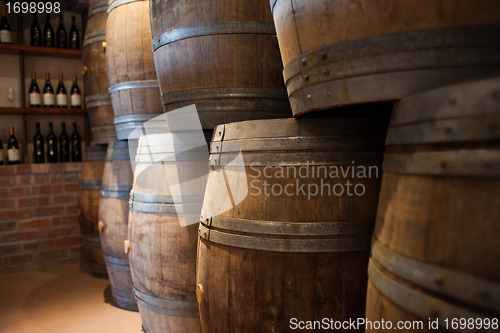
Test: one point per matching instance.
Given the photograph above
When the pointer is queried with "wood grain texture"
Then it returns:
(303, 26)
(94, 57)
(113, 212)
(251, 290)
(347, 52)
(444, 217)
(231, 60)
(88, 203)
(129, 58)
(380, 306)
(163, 264)
(95, 79)
(162, 252)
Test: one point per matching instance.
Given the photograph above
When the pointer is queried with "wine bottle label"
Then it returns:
(76, 100)
(35, 99)
(13, 155)
(62, 100)
(48, 99)
(5, 36)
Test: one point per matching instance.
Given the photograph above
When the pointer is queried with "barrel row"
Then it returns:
(262, 242)
(157, 68)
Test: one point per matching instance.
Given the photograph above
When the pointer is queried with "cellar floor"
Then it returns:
(61, 299)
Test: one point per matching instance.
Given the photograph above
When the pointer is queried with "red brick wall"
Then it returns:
(39, 215)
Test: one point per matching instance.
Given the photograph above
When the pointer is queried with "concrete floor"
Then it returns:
(61, 299)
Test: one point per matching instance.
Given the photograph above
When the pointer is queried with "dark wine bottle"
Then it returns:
(74, 36)
(5, 30)
(48, 33)
(35, 97)
(64, 144)
(76, 96)
(13, 153)
(36, 32)
(61, 95)
(38, 146)
(49, 99)
(62, 36)
(76, 145)
(51, 145)
(1, 152)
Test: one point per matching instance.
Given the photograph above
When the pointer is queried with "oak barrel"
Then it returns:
(95, 78)
(347, 52)
(435, 250)
(131, 71)
(162, 252)
(88, 204)
(280, 237)
(113, 222)
(220, 55)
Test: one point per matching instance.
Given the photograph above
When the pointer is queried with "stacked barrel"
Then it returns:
(273, 253)
(88, 203)
(434, 246)
(95, 78)
(100, 112)
(113, 222)
(134, 97)
(430, 259)
(132, 77)
(342, 52)
(294, 208)
(163, 252)
(224, 59)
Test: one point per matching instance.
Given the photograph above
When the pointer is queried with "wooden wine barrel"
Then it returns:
(113, 222)
(435, 250)
(131, 71)
(95, 78)
(162, 252)
(347, 52)
(221, 56)
(88, 203)
(269, 253)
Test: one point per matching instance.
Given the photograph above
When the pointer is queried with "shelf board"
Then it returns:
(40, 51)
(41, 111)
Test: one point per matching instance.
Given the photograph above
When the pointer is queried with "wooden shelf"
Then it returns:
(42, 111)
(40, 51)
